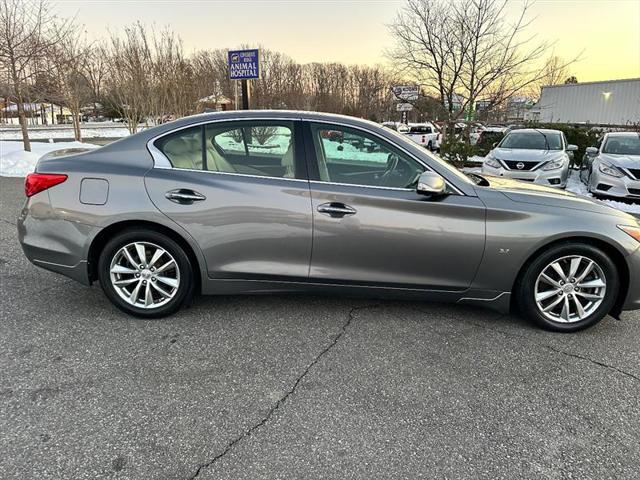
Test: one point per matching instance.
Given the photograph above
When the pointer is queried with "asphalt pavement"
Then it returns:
(275, 387)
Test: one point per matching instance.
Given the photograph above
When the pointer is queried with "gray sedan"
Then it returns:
(272, 201)
(613, 167)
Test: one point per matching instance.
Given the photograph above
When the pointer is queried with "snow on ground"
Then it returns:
(95, 130)
(15, 162)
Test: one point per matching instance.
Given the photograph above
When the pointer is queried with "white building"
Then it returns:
(614, 102)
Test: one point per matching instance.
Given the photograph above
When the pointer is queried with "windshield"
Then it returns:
(532, 140)
(622, 145)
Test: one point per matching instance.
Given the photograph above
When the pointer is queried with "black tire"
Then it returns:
(525, 289)
(185, 289)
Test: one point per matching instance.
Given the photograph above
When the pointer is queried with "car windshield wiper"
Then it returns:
(546, 142)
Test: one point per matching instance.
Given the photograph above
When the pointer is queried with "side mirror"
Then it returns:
(592, 151)
(572, 148)
(431, 183)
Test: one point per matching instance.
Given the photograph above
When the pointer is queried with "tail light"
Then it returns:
(37, 182)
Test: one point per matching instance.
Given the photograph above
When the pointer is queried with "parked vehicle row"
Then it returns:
(269, 201)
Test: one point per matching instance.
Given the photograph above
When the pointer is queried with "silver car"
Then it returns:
(613, 167)
(532, 155)
(273, 201)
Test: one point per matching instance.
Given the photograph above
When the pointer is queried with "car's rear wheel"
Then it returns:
(568, 287)
(145, 273)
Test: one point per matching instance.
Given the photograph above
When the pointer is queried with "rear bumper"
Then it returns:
(52, 243)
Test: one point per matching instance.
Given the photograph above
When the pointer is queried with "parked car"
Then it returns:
(489, 137)
(424, 134)
(191, 206)
(612, 168)
(531, 155)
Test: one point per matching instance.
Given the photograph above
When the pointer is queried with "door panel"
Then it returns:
(396, 237)
(247, 227)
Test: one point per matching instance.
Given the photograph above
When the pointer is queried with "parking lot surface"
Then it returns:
(302, 387)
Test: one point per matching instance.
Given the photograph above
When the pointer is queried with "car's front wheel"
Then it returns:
(569, 287)
(145, 273)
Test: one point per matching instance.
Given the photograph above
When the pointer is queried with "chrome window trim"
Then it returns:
(231, 173)
(162, 162)
(411, 155)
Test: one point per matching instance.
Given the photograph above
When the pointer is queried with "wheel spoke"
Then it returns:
(165, 266)
(160, 290)
(548, 294)
(565, 309)
(573, 268)
(148, 297)
(550, 280)
(553, 304)
(133, 298)
(590, 296)
(579, 307)
(597, 283)
(172, 282)
(142, 254)
(121, 269)
(586, 271)
(130, 259)
(156, 256)
(556, 266)
(127, 281)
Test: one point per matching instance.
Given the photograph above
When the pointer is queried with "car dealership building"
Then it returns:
(610, 103)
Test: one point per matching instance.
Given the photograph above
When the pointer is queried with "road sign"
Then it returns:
(404, 107)
(406, 93)
(244, 64)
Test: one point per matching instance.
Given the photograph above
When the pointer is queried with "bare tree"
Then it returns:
(67, 60)
(465, 50)
(28, 31)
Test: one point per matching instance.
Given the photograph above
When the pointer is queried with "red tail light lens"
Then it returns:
(37, 182)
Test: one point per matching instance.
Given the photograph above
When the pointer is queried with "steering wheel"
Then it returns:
(392, 163)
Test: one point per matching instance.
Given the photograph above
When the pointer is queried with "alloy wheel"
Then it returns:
(144, 275)
(570, 289)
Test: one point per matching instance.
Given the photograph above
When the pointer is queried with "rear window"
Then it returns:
(420, 129)
(537, 140)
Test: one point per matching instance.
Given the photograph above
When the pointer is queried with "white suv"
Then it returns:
(425, 134)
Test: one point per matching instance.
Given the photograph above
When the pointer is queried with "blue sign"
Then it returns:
(244, 64)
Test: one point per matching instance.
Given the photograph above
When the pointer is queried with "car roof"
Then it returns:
(532, 130)
(623, 134)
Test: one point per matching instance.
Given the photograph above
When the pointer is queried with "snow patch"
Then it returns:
(15, 162)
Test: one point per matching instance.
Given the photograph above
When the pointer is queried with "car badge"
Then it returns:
(519, 165)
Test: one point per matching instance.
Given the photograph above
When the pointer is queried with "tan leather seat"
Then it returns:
(184, 153)
(216, 162)
(288, 163)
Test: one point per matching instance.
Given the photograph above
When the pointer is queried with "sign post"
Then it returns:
(244, 65)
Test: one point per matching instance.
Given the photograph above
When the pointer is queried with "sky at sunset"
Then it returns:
(606, 33)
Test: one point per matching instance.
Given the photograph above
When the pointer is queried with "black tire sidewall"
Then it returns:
(185, 289)
(526, 287)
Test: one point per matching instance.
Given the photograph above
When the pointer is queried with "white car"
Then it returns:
(532, 155)
(613, 167)
(425, 134)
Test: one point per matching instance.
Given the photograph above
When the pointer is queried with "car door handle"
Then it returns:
(336, 210)
(184, 196)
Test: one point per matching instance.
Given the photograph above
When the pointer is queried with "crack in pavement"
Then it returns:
(8, 222)
(284, 398)
(558, 350)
